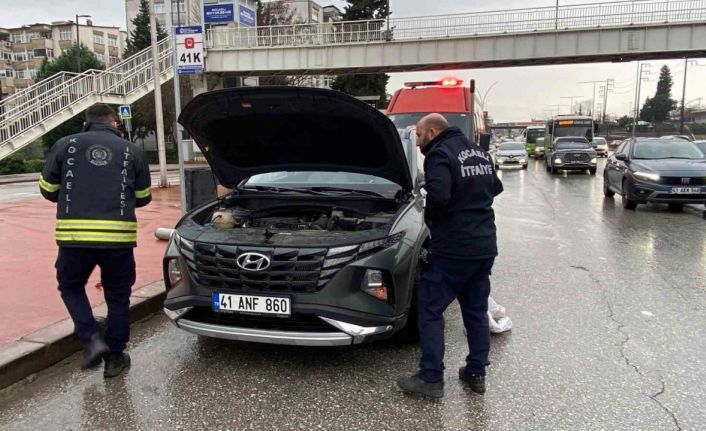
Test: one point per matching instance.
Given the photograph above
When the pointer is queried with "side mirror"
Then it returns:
(622, 157)
(485, 141)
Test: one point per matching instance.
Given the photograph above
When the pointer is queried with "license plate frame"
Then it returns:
(259, 305)
(685, 191)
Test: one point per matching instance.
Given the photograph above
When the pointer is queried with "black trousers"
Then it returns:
(446, 280)
(74, 266)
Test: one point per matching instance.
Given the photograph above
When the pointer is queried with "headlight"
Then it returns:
(374, 284)
(594, 160)
(646, 175)
(380, 243)
(522, 160)
(500, 161)
(174, 272)
(557, 161)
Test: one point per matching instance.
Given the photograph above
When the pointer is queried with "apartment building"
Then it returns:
(168, 13)
(24, 49)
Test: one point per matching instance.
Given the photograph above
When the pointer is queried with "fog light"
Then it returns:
(174, 272)
(557, 161)
(501, 161)
(522, 160)
(374, 284)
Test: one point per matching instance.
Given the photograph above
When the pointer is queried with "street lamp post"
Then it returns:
(78, 42)
(638, 85)
(482, 99)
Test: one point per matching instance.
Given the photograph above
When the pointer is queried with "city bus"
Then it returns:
(530, 136)
(457, 103)
(568, 125)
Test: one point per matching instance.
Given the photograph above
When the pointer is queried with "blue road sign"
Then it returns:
(125, 112)
(247, 16)
(218, 13)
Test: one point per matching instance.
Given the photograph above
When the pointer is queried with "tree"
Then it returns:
(141, 36)
(278, 13)
(274, 13)
(624, 121)
(656, 109)
(369, 84)
(66, 62)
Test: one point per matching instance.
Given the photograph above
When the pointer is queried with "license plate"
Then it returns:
(686, 190)
(225, 302)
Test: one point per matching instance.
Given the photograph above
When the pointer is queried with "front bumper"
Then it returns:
(645, 192)
(348, 333)
(601, 151)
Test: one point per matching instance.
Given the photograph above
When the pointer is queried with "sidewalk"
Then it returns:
(31, 177)
(29, 300)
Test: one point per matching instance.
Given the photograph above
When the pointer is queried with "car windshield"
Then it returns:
(512, 146)
(702, 146)
(328, 180)
(576, 130)
(663, 149)
(462, 121)
(540, 142)
(572, 145)
(533, 134)
(599, 141)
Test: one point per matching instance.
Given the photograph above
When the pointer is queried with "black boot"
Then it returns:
(93, 351)
(115, 363)
(474, 380)
(415, 385)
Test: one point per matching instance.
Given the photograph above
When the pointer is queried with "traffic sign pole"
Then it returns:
(177, 111)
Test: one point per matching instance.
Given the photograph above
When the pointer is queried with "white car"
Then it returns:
(601, 146)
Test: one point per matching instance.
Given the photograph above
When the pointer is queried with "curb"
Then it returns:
(49, 345)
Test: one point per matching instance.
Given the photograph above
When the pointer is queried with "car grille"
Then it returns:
(576, 157)
(291, 269)
(295, 322)
(678, 181)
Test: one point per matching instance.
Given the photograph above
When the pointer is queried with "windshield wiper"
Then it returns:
(277, 189)
(345, 190)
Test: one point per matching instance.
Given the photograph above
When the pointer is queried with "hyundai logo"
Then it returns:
(686, 180)
(253, 262)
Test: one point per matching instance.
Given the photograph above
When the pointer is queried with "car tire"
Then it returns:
(547, 167)
(497, 168)
(524, 166)
(676, 208)
(553, 170)
(592, 171)
(607, 192)
(628, 203)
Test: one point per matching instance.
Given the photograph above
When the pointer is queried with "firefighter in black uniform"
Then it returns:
(97, 180)
(461, 184)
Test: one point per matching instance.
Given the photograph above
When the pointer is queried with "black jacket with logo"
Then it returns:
(97, 180)
(461, 184)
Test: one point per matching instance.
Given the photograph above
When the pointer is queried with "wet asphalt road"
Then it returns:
(608, 312)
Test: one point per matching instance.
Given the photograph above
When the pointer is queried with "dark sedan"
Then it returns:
(572, 153)
(666, 171)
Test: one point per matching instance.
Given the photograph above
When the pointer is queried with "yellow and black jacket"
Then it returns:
(97, 180)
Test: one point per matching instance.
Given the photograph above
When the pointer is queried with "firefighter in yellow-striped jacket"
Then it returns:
(97, 179)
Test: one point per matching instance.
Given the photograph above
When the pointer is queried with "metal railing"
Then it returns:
(65, 92)
(568, 17)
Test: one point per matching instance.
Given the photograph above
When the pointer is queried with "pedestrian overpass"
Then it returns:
(618, 31)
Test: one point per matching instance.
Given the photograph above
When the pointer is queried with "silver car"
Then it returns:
(601, 146)
(511, 154)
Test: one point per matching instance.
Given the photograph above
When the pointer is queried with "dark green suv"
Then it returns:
(320, 241)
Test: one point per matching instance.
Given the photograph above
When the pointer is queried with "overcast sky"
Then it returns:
(520, 93)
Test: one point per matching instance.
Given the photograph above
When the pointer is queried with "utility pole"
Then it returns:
(593, 95)
(683, 96)
(608, 87)
(78, 42)
(158, 113)
(638, 84)
(571, 102)
(556, 16)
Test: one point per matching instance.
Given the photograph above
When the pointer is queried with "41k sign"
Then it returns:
(189, 50)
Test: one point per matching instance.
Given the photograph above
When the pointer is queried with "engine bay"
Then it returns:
(297, 219)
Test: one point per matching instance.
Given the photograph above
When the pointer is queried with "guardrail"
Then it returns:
(567, 17)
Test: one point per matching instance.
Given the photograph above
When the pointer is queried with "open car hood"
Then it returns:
(253, 130)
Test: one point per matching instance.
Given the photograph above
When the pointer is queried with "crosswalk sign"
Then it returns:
(125, 113)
